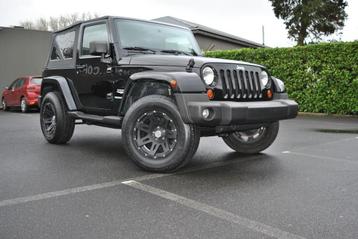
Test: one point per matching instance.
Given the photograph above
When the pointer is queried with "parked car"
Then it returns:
(150, 80)
(23, 93)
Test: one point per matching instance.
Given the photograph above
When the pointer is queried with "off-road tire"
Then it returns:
(187, 141)
(64, 124)
(268, 137)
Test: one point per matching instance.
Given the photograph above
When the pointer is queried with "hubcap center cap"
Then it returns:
(158, 133)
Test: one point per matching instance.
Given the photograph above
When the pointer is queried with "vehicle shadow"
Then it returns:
(217, 164)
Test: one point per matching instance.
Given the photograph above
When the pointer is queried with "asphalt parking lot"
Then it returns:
(304, 186)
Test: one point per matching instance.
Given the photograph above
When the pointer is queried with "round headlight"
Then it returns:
(208, 75)
(264, 78)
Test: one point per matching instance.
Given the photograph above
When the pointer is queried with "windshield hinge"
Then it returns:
(190, 65)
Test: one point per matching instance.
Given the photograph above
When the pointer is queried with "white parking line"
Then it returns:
(42, 196)
(321, 156)
(213, 211)
(37, 197)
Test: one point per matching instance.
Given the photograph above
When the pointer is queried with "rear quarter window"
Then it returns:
(63, 46)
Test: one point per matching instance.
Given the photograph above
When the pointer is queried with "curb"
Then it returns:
(327, 115)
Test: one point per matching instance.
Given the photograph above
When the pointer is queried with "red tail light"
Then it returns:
(31, 88)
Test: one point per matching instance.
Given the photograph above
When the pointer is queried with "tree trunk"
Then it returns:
(302, 34)
(300, 40)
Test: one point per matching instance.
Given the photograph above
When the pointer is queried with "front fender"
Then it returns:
(186, 82)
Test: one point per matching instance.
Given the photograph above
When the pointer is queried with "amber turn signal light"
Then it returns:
(173, 84)
(210, 94)
(269, 94)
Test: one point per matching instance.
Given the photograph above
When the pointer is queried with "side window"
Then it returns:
(93, 33)
(63, 46)
(12, 86)
(19, 83)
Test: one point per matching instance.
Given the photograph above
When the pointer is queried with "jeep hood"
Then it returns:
(180, 60)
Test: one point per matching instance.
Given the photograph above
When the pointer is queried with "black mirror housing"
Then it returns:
(98, 48)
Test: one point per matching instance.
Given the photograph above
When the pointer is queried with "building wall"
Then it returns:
(205, 43)
(22, 52)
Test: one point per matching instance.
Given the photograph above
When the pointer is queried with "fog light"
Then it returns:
(205, 113)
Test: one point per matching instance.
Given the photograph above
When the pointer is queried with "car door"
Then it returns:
(17, 92)
(93, 83)
(10, 97)
(8, 92)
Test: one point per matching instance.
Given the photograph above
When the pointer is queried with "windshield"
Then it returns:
(36, 81)
(141, 36)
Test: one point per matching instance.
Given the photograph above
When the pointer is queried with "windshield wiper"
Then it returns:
(138, 48)
(177, 52)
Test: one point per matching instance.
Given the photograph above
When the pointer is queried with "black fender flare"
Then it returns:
(61, 84)
(187, 82)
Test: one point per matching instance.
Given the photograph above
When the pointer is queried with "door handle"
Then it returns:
(80, 67)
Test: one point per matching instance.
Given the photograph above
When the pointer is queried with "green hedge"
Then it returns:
(322, 78)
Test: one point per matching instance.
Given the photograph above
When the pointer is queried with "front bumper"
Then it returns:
(222, 113)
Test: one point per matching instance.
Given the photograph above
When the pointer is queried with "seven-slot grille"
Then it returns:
(240, 84)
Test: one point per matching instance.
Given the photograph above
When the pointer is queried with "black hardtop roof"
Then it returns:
(117, 17)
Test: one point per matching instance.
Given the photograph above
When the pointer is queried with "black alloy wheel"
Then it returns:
(49, 119)
(56, 124)
(155, 136)
(252, 141)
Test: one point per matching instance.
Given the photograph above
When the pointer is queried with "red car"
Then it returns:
(23, 93)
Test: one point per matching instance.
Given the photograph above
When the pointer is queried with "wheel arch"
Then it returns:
(159, 83)
(144, 87)
(60, 84)
(21, 97)
(186, 82)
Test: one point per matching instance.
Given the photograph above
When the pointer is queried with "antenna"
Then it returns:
(263, 35)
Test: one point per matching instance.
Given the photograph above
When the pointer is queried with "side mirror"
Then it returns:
(98, 48)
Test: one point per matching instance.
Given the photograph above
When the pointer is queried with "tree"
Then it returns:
(53, 24)
(27, 24)
(42, 24)
(57, 23)
(310, 18)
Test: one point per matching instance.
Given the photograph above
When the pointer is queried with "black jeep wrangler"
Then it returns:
(150, 80)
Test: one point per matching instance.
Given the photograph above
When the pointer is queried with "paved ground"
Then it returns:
(304, 186)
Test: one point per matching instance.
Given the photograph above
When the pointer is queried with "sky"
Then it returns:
(243, 18)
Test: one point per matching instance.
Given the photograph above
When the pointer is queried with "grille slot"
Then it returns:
(240, 84)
